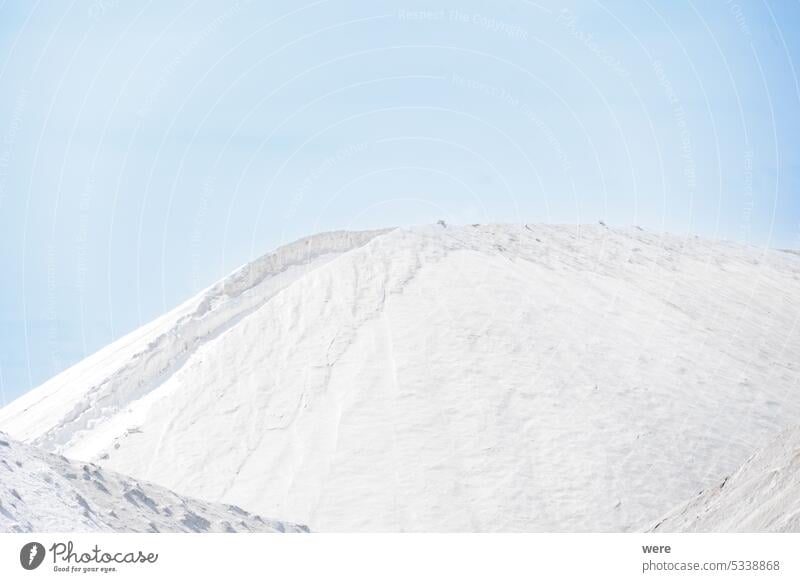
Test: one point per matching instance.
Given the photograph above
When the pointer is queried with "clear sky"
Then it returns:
(149, 148)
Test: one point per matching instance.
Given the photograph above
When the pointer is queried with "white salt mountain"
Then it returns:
(536, 378)
(762, 496)
(42, 492)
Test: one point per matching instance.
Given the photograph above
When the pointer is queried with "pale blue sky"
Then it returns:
(148, 148)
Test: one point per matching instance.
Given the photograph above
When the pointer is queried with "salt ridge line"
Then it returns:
(763, 495)
(141, 361)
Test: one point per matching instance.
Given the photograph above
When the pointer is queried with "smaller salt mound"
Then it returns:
(762, 496)
(43, 492)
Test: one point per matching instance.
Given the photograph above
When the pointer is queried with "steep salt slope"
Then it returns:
(102, 385)
(42, 492)
(762, 496)
(473, 378)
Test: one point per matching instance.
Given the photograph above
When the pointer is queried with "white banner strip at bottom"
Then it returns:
(407, 557)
